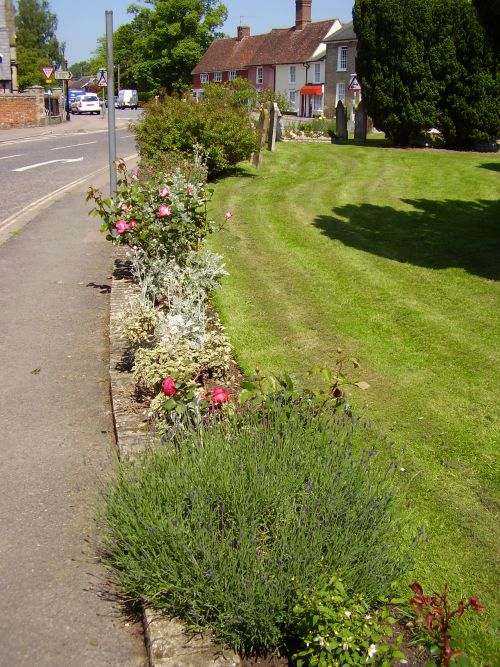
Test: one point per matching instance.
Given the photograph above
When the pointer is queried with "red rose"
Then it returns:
(168, 386)
(220, 395)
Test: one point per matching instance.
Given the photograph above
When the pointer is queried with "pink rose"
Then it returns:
(220, 395)
(165, 192)
(132, 224)
(164, 211)
(168, 386)
(228, 215)
(121, 226)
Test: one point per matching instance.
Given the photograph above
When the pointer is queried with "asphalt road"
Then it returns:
(32, 167)
(56, 429)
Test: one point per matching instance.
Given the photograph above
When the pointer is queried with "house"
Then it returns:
(289, 61)
(8, 64)
(340, 73)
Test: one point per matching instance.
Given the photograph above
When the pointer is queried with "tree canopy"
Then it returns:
(425, 63)
(36, 40)
(157, 50)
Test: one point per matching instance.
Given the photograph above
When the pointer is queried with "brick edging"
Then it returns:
(167, 640)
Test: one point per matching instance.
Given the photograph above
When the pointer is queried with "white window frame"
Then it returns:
(317, 72)
(342, 59)
(340, 93)
(231, 75)
(317, 101)
(292, 74)
(259, 77)
(292, 99)
(204, 78)
(218, 77)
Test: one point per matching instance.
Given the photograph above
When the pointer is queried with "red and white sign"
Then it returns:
(48, 71)
(354, 83)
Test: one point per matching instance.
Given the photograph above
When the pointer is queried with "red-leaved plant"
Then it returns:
(435, 614)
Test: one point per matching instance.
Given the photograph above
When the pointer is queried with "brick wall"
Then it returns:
(26, 109)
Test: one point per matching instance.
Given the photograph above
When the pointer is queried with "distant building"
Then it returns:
(289, 61)
(341, 70)
(8, 60)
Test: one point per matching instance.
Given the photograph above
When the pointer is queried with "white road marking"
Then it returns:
(6, 157)
(127, 136)
(86, 143)
(42, 164)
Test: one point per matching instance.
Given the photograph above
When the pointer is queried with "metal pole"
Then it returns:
(111, 103)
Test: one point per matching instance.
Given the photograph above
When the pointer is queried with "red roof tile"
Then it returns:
(278, 47)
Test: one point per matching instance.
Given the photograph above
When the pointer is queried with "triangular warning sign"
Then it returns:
(354, 83)
(47, 71)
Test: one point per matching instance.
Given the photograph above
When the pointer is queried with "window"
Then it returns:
(232, 74)
(218, 76)
(292, 99)
(317, 101)
(291, 74)
(260, 75)
(203, 78)
(317, 72)
(342, 59)
(340, 93)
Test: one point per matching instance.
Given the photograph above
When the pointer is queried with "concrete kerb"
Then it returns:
(77, 125)
(167, 640)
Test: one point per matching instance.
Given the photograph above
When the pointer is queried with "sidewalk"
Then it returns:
(57, 443)
(76, 124)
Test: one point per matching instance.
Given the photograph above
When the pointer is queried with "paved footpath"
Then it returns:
(56, 446)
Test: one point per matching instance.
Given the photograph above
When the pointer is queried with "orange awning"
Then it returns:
(309, 89)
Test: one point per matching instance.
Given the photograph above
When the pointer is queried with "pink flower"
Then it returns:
(126, 209)
(150, 170)
(165, 192)
(189, 189)
(121, 226)
(132, 224)
(228, 215)
(168, 386)
(164, 211)
(136, 171)
(220, 395)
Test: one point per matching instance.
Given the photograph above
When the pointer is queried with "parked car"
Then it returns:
(127, 98)
(88, 103)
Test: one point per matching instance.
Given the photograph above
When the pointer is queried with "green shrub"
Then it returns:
(337, 628)
(225, 528)
(224, 134)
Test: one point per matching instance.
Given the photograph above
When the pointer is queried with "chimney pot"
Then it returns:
(243, 31)
(302, 13)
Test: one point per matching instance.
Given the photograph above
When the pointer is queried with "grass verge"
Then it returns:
(393, 255)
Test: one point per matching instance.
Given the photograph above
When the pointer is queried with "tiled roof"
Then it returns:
(345, 34)
(278, 47)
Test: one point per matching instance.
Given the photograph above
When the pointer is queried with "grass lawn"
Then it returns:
(394, 256)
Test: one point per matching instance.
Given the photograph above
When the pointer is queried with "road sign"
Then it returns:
(62, 75)
(48, 71)
(354, 83)
(102, 78)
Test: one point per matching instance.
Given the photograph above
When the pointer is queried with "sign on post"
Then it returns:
(48, 71)
(102, 78)
(62, 75)
(354, 83)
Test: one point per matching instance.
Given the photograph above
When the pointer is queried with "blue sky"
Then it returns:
(80, 25)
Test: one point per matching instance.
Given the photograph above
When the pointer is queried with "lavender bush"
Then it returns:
(223, 530)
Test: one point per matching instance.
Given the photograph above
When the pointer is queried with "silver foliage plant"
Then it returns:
(178, 291)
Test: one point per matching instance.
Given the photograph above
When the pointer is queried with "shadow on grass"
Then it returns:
(436, 234)
(492, 166)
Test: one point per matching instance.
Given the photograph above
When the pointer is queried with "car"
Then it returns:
(88, 103)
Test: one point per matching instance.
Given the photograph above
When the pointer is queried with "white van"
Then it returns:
(127, 98)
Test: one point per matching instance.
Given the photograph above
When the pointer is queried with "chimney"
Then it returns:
(243, 31)
(302, 14)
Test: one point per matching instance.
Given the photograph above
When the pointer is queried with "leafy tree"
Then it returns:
(425, 63)
(37, 45)
(489, 15)
(392, 65)
(158, 49)
(462, 61)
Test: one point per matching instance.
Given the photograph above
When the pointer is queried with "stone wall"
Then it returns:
(333, 76)
(27, 109)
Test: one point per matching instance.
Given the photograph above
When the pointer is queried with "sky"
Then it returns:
(80, 25)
